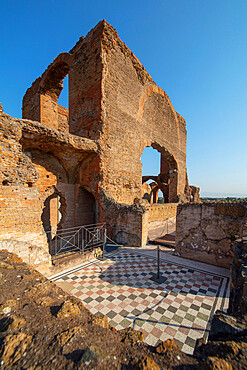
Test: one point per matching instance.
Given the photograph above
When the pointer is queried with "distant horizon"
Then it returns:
(215, 195)
(222, 195)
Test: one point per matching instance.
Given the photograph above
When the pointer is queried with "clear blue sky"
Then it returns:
(196, 50)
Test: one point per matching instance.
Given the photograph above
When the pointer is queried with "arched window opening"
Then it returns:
(52, 80)
(55, 96)
(159, 175)
(168, 177)
(63, 99)
(150, 160)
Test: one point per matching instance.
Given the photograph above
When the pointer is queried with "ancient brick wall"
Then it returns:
(37, 193)
(31, 175)
(31, 102)
(205, 232)
(85, 207)
(85, 80)
(21, 228)
(126, 224)
(48, 111)
(112, 98)
(20, 213)
(160, 212)
(136, 113)
(131, 228)
(63, 119)
(20, 205)
(114, 101)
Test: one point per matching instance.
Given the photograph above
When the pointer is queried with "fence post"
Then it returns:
(158, 266)
(82, 239)
(156, 277)
(104, 241)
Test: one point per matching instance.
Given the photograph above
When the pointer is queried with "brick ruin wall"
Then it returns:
(20, 206)
(33, 166)
(114, 102)
(124, 126)
(136, 113)
(69, 167)
(160, 212)
(206, 232)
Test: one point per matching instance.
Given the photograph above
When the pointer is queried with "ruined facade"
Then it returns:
(69, 167)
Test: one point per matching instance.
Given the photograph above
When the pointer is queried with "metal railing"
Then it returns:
(76, 239)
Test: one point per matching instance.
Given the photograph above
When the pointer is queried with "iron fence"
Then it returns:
(76, 239)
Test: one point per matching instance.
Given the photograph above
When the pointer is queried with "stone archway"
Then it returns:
(40, 102)
(166, 180)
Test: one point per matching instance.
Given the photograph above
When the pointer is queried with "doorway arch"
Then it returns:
(53, 215)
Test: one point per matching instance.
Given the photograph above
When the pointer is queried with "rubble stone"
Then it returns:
(147, 363)
(129, 335)
(215, 363)
(66, 335)
(101, 320)
(68, 309)
(15, 346)
(168, 345)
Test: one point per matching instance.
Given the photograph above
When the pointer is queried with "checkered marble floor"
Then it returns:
(180, 308)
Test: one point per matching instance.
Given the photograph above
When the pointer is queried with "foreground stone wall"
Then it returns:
(238, 296)
(205, 232)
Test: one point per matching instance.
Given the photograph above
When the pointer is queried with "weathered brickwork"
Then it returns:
(63, 119)
(20, 214)
(28, 177)
(159, 212)
(136, 113)
(82, 165)
(206, 232)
